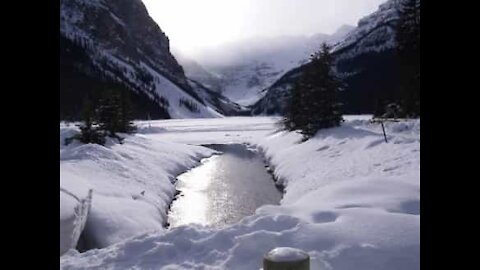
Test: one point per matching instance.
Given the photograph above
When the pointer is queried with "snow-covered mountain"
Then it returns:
(196, 72)
(374, 33)
(365, 58)
(240, 70)
(117, 43)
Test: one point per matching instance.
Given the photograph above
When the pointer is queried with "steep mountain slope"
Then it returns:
(365, 58)
(81, 78)
(117, 44)
(242, 69)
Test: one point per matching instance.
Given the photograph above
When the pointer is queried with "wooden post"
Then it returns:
(285, 258)
(384, 135)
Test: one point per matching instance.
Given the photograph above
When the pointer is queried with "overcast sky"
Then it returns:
(194, 24)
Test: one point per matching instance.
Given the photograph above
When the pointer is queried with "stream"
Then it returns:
(224, 188)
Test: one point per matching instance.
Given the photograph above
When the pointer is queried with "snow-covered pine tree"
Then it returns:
(314, 101)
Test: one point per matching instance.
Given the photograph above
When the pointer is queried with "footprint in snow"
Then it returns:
(323, 148)
(411, 207)
(324, 217)
(390, 168)
(348, 206)
(375, 143)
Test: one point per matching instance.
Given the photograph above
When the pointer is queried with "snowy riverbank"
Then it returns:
(132, 184)
(352, 201)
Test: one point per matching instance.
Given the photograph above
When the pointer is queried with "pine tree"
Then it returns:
(89, 132)
(313, 104)
(379, 110)
(295, 118)
(126, 124)
(109, 112)
(408, 48)
(114, 113)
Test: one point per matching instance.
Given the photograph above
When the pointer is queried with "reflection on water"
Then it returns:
(224, 189)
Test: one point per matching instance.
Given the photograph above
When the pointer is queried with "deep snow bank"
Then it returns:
(74, 211)
(132, 185)
(351, 202)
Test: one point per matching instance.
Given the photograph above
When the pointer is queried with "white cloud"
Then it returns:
(194, 24)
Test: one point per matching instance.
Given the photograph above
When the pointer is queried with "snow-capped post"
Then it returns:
(286, 258)
(384, 134)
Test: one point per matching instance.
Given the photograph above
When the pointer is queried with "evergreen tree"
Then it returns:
(408, 48)
(89, 132)
(313, 104)
(126, 123)
(114, 113)
(294, 119)
(379, 110)
(109, 113)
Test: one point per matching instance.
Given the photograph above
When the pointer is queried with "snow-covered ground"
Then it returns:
(351, 200)
(118, 174)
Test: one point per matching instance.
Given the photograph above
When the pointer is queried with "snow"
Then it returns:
(118, 174)
(166, 89)
(351, 200)
(227, 130)
(286, 254)
(173, 93)
(73, 217)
